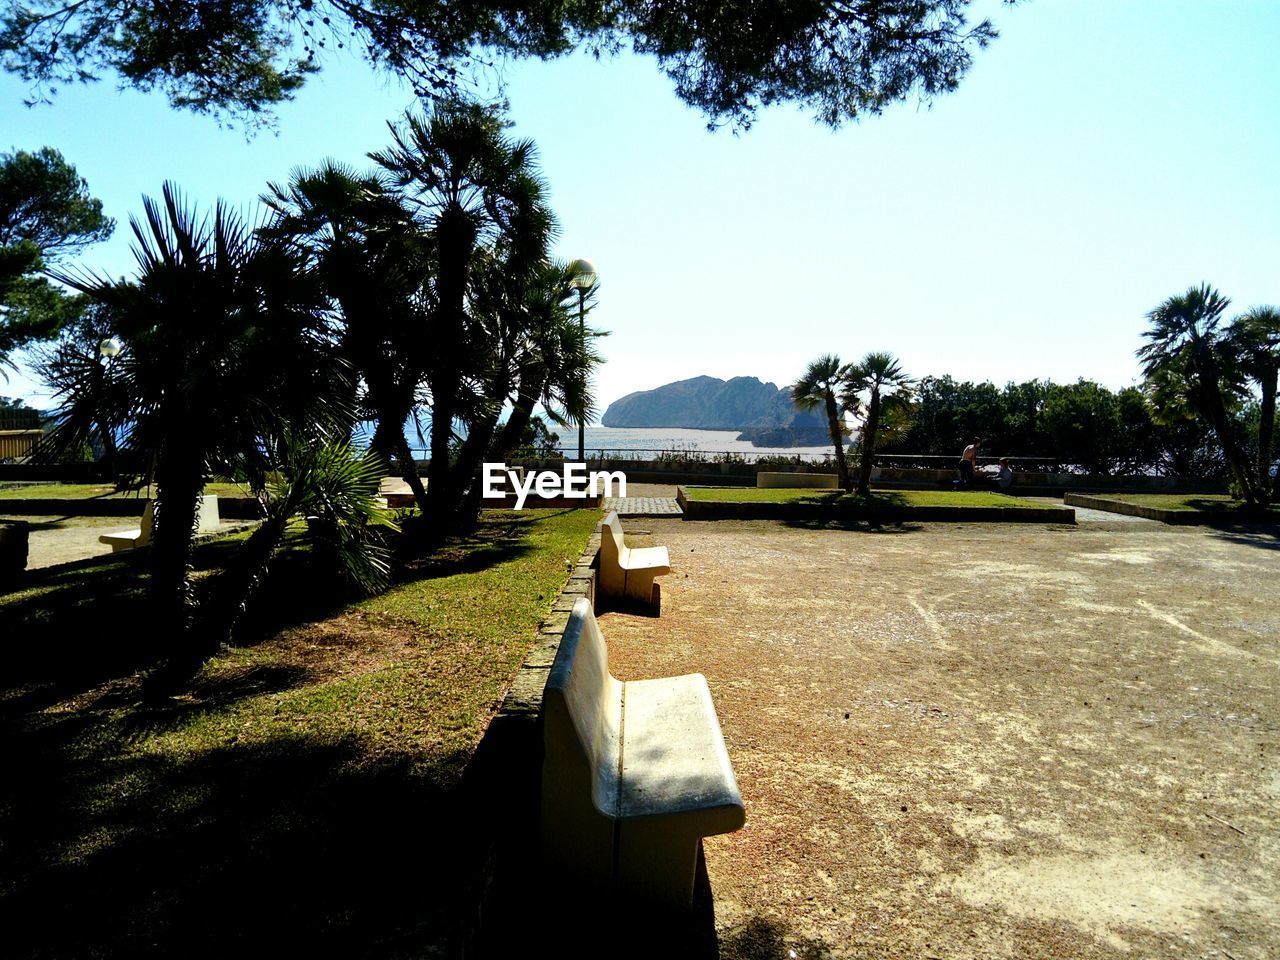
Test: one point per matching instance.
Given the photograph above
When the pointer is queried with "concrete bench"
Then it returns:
(635, 774)
(821, 481)
(206, 513)
(629, 572)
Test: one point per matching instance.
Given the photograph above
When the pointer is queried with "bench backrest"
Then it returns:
(147, 524)
(207, 511)
(611, 541)
(582, 732)
(583, 704)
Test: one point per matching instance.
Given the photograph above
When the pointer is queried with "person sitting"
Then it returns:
(999, 478)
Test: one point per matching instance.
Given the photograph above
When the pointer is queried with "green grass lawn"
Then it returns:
(302, 796)
(1209, 502)
(879, 498)
(84, 491)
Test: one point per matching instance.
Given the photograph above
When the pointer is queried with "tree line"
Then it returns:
(1205, 409)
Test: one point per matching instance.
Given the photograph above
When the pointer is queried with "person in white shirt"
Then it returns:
(998, 478)
(1004, 476)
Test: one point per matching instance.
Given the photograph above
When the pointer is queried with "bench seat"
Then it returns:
(634, 774)
(124, 539)
(674, 760)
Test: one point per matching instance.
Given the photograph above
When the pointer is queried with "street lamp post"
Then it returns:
(108, 350)
(584, 278)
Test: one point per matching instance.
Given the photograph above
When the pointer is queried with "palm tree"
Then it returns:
(552, 358)
(375, 261)
(1255, 338)
(1186, 334)
(825, 383)
(226, 338)
(477, 194)
(880, 376)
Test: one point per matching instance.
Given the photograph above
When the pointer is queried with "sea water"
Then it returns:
(657, 439)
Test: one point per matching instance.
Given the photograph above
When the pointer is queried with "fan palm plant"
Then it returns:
(880, 376)
(1186, 334)
(1255, 338)
(825, 384)
(333, 488)
(476, 192)
(226, 337)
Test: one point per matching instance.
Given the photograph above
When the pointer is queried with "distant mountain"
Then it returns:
(761, 412)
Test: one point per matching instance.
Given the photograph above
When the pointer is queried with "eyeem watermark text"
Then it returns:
(573, 483)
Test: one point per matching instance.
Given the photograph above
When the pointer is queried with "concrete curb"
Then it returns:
(730, 510)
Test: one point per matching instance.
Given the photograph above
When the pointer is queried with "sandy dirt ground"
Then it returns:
(984, 740)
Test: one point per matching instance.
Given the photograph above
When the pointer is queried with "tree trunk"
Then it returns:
(232, 590)
(1210, 387)
(467, 471)
(455, 240)
(389, 443)
(179, 481)
(868, 453)
(837, 441)
(1267, 430)
(521, 415)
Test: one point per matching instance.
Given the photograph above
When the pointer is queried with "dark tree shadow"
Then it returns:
(293, 846)
(83, 626)
(763, 938)
(1264, 536)
(290, 849)
(866, 525)
(533, 914)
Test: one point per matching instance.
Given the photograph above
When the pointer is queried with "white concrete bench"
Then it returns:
(140, 536)
(635, 774)
(625, 571)
(820, 481)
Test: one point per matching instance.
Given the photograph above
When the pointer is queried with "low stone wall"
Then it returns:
(769, 479)
(821, 512)
(1044, 484)
(52, 472)
(503, 780)
(14, 538)
(1185, 518)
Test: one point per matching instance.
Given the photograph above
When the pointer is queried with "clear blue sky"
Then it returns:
(1099, 157)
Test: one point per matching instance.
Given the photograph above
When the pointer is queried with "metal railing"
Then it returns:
(746, 458)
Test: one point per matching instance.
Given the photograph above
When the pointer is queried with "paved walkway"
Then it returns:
(1089, 515)
(643, 506)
